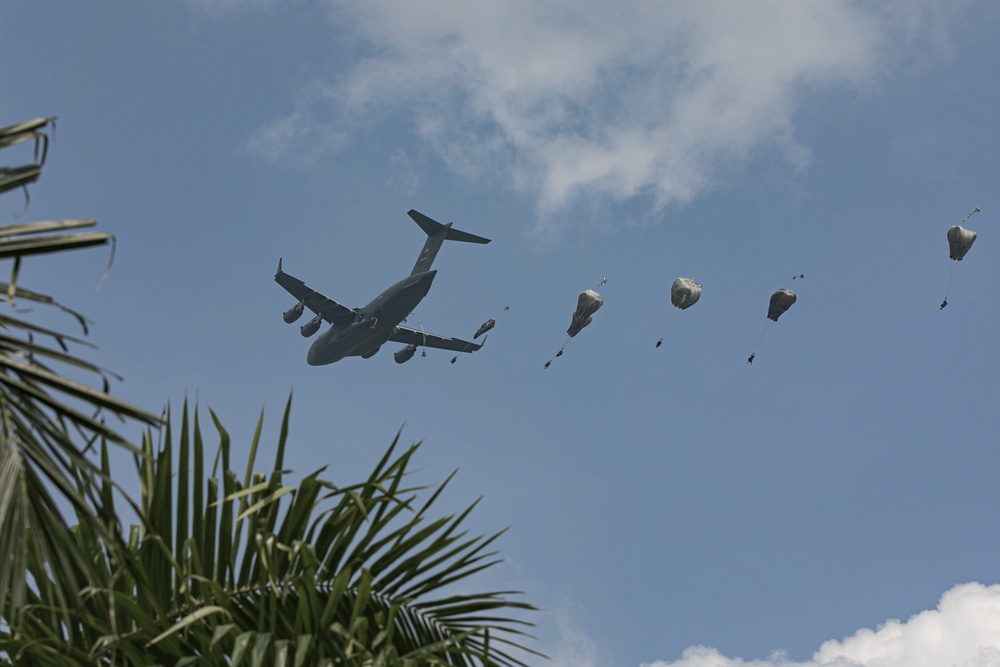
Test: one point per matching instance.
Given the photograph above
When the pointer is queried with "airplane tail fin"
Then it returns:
(436, 235)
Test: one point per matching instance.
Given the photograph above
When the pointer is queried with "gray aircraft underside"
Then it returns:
(361, 332)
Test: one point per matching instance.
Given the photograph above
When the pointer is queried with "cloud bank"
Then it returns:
(589, 98)
(964, 631)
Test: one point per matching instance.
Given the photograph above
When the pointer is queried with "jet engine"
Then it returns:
(311, 327)
(404, 355)
(294, 313)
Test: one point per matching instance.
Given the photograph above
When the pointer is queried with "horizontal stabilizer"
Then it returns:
(436, 235)
(432, 227)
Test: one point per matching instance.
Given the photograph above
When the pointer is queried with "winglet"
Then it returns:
(279, 267)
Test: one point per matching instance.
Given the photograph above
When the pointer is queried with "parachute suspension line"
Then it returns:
(762, 333)
(559, 353)
(565, 342)
(423, 352)
(759, 340)
(671, 318)
(951, 276)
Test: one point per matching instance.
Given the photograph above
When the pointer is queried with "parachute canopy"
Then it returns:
(486, 326)
(588, 303)
(685, 292)
(960, 240)
(781, 301)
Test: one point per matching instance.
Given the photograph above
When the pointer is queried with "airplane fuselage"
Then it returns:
(360, 332)
(374, 323)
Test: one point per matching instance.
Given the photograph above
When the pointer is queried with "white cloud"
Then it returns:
(964, 631)
(573, 647)
(301, 133)
(403, 175)
(570, 99)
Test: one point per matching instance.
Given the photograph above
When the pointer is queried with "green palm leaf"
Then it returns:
(47, 421)
(246, 575)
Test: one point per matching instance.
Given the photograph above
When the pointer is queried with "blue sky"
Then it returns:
(659, 500)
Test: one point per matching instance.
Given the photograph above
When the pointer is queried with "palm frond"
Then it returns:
(32, 130)
(48, 421)
(240, 571)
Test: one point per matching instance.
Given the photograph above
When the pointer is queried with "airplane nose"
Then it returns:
(312, 357)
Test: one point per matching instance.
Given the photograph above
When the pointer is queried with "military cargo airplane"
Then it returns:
(361, 332)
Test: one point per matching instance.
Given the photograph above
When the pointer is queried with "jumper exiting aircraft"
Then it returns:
(361, 332)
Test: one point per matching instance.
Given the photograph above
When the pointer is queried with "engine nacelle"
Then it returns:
(311, 327)
(294, 313)
(404, 355)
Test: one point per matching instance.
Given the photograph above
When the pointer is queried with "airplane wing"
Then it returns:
(414, 337)
(330, 310)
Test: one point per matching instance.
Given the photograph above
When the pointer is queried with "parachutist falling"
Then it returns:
(960, 240)
(454, 359)
(780, 302)
(588, 303)
(547, 363)
(684, 293)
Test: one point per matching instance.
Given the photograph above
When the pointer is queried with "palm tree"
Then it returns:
(215, 569)
(251, 571)
(47, 421)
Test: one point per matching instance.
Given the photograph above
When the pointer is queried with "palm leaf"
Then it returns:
(47, 421)
(243, 577)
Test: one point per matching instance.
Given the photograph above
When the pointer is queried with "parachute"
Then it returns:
(960, 240)
(483, 328)
(779, 304)
(684, 293)
(588, 303)
(486, 326)
(781, 301)
(489, 324)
